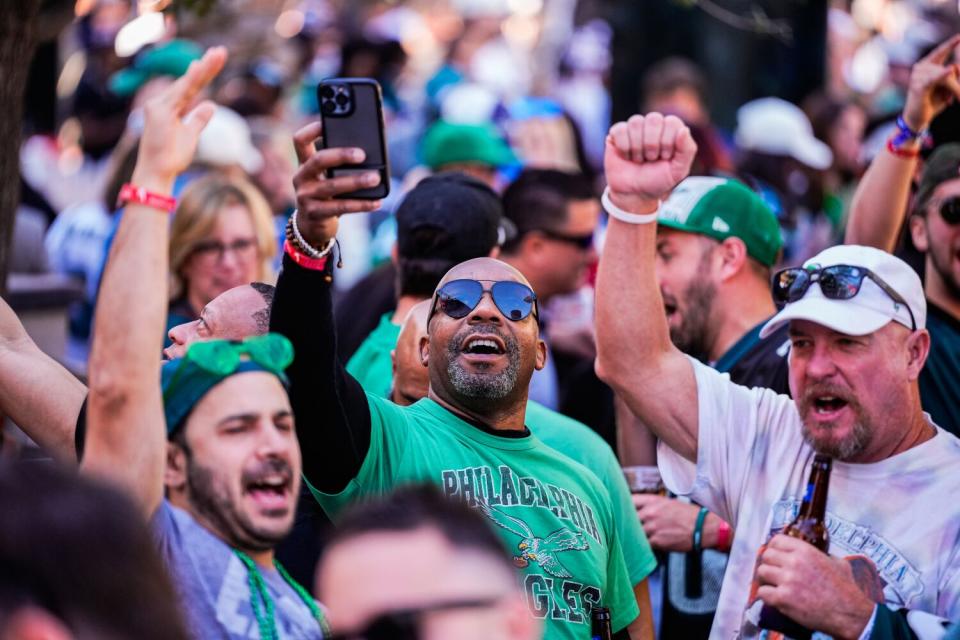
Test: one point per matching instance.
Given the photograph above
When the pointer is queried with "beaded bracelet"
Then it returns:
(296, 239)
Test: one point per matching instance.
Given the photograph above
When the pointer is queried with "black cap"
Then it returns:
(465, 215)
(942, 165)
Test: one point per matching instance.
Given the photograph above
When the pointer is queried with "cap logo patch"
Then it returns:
(720, 225)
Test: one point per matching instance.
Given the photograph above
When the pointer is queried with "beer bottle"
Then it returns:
(811, 527)
(600, 628)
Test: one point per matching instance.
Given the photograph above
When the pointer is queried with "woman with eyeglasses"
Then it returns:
(222, 236)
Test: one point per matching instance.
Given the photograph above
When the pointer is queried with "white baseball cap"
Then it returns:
(871, 308)
(226, 140)
(778, 127)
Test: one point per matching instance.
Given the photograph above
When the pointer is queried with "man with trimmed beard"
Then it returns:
(210, 455)
(468, 436)
(856, 322)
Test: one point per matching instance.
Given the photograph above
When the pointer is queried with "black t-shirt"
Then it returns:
(691, 581)
(940, 378)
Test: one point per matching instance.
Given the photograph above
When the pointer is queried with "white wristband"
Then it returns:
(626, 216)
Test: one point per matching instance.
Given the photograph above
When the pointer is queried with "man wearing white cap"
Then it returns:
(857, 326)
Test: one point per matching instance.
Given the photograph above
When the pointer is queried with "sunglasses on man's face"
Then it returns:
(458, 298)
(950, 210)
(583, 243)
(405, 624)
(837, 282)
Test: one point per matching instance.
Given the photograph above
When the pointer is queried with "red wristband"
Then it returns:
(724, 535)
(902, 153)
(302, 259)
(138, 195)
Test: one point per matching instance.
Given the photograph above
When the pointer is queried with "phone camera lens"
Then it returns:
(342, 100)
(328, 107)
(326, 92)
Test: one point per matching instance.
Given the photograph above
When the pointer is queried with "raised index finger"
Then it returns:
(943, 50)
(304, 140)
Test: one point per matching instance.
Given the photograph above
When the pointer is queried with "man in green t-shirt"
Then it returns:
(468, 437)
(444, 220)
(568, 436)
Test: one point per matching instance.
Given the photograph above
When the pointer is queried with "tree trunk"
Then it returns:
(18, 21)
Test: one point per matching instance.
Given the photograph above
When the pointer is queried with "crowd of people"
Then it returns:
(563, 366)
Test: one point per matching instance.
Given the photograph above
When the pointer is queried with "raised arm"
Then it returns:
(333, 419)
(882, 198)
(126, 434)
(645, 158)
(36, 391)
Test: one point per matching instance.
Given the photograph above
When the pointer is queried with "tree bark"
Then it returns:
(18, 21)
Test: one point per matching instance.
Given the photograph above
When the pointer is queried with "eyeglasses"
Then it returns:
(837, 282)
(405, 624)
(272, 351)
(458, 298)
(584, 242)
(950, 210)
(215, 250)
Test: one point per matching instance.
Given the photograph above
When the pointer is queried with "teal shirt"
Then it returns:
(553, 515)
(938, 380)
(371, 364)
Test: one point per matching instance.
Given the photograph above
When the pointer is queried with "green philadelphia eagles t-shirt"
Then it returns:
(372, 367)
(578, 441)
(552, 513)
(371, 364)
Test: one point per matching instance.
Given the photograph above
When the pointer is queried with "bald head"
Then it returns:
(411, 379)
(483, 269)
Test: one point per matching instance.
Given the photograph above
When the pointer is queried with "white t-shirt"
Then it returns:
(902, 514)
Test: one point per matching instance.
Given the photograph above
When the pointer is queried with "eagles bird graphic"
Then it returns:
(541, 551)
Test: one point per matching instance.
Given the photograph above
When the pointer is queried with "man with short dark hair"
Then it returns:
(444, 220)
(556, 214)
(417, 564)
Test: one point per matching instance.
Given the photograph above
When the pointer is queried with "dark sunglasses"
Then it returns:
(950, 210)
(584, 242)
(837, 282)
(405, 624)
(458, 298)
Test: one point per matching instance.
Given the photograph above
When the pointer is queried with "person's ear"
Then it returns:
(393, 362)
(541, 360)
(33, 623)
(425, 350)
(394, 254)
(918, 348)
(733, 257)
(919, 233)
(495, 252)
(175, 473)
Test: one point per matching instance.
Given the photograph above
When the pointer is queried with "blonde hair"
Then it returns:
(196, 216)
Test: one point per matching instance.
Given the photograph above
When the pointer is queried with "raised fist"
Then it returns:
(645, 158)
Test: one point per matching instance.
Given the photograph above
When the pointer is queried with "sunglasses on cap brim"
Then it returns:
(458, 298)
(837, 282)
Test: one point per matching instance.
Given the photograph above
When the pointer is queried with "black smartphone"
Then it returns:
(351, 112)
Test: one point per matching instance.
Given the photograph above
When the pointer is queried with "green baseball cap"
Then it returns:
(168, 59)
(722, 208)
(449, 143)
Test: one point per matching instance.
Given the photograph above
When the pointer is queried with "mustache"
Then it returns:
(269, 467)
(827, 389)
(480, 329)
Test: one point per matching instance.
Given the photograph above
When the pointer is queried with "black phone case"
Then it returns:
(362, 127)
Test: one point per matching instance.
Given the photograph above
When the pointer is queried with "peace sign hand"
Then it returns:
(933, 85)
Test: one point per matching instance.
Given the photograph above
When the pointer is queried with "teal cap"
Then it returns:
(167, 59)
(722, 208)
(447, 143)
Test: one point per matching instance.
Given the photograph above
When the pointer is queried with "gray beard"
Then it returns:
(483, 386)
(853, 445)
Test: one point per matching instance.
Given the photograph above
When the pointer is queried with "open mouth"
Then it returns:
(483, 345)
(827, 405)
(270, 492)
